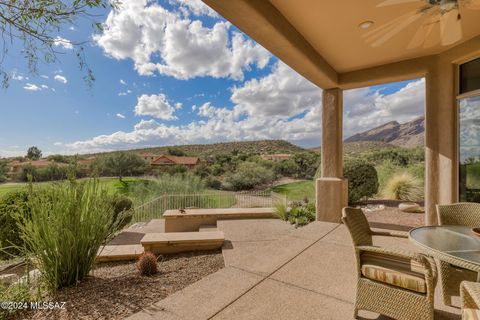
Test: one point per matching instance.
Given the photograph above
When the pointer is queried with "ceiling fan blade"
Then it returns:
(450, 28)
(423, 36)
(389, 30)
(432, 38)
(395, 2)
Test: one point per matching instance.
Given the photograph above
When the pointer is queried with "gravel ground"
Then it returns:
(116, 289)
(391, 217)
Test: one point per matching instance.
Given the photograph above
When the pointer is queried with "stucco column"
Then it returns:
(331, 188)
(440, 138)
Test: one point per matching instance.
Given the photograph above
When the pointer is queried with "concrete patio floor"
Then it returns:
(274, 271)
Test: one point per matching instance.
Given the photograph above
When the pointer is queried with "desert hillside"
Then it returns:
(407, 135)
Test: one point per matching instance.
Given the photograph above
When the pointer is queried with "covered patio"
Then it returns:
(340, 45)
(274, 271)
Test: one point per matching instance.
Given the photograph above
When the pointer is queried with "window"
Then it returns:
(470, 76)
(469, 143)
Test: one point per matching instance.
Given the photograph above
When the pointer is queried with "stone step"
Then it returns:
(119, 253)
(208, 228)
(173, 242)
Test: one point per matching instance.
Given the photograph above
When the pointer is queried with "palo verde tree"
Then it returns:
(33, 153)
(36, 24)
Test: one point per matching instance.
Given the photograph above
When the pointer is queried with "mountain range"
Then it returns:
(407, 135)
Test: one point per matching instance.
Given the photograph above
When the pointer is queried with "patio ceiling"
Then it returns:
(322, 40)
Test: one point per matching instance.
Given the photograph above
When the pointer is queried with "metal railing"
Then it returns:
(155, 208)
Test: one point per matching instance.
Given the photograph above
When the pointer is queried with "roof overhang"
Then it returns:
(321, 39)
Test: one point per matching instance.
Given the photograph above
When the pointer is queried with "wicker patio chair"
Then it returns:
(470, 294)
(394, 283)
(465, 214)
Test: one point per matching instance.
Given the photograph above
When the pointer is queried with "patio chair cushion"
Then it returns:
(394, 271)
(470, 314)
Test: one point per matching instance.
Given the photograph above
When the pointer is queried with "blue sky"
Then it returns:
(174, 72)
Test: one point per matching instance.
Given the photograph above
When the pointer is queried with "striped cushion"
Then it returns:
(394, 270)
(470, 314)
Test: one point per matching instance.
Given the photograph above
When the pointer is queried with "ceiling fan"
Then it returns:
(441, 22)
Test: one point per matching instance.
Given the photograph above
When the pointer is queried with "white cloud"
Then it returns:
(365, 109)
(156, 106)
(60, 78)
(71, 28)
(124, 93)
(282, 93)
(44, 76)
(159, 40)
(17, 76)
(62, 42)
(123, 82)
(57, 143)
(119, 115)
(195, 7)
(281, 105)
(32, 87)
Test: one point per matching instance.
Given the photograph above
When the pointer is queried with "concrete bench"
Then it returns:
(192, 219)
(173, 242)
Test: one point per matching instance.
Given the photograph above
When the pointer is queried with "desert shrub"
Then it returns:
(403, 186)
(122, 212)
(147, 264)
(11, 205)
(171, 169)
(362, 180)
(248, 176)
(299, 213)
(213, 183)
(281, 211)
(3, 170)
(306, 164)
(63, 228)
(173, 151)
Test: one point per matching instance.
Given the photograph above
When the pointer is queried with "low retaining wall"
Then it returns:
(192, 219)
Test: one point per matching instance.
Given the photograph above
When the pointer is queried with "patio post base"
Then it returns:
(331, 198)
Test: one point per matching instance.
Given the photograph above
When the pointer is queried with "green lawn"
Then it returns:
(297, 190)
(111, 184)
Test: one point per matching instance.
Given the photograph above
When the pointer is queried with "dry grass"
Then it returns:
(403, 187)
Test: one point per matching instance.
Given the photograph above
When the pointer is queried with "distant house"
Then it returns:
(276, 156)
(168, 160)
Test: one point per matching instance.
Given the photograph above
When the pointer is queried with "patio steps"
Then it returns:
(207, 228)
(173, 242)
(119, 253)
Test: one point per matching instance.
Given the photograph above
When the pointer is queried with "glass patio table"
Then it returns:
(457, 245)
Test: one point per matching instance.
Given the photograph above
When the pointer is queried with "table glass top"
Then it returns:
(456, 241)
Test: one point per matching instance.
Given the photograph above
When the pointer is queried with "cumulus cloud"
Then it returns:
(156, 106)
(119, 115)
(281, 105)
(282, 93)
(159, 40)
(63, 43)
(60, 78)
(32, 87)
(195, 7)
(57, 144)
(123, 82)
